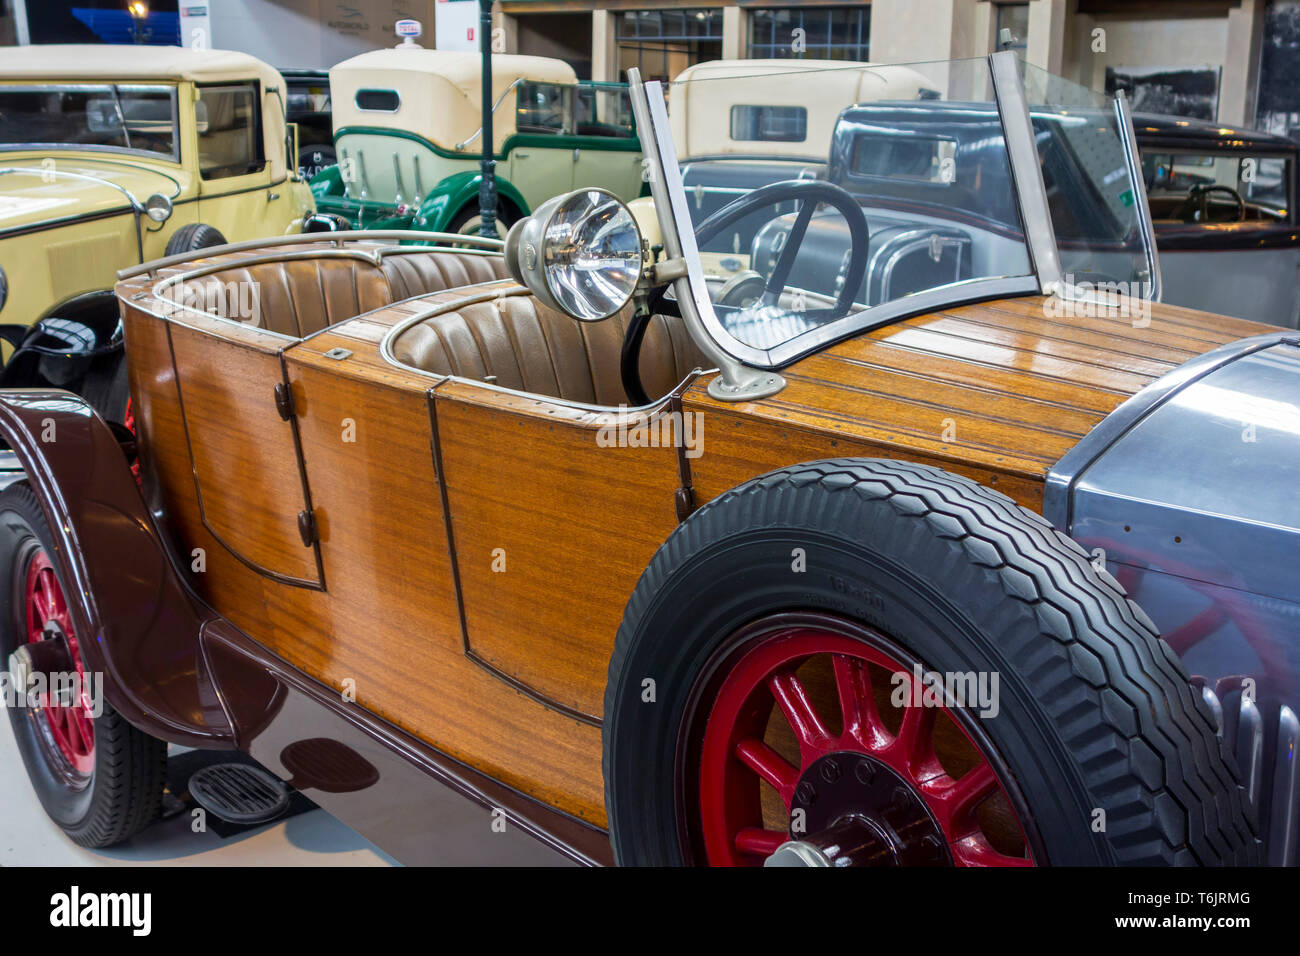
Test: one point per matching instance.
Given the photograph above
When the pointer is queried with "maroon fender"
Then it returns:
(144, 623)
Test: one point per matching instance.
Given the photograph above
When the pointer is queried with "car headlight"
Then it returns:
(158, 207)
(580, 253)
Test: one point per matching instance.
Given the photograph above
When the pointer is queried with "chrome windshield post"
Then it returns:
(1026, 172)
(737, 382)
(1128, 137)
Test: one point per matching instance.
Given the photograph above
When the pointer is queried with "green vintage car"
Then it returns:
(408, 137)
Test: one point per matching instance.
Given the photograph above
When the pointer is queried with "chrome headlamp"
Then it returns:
(579, 253)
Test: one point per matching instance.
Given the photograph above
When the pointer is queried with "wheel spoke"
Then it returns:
(798, 709)
(976, 851)
(954, 801)
(759, 842)
(769, 765)
(857, 703)
(914, 745)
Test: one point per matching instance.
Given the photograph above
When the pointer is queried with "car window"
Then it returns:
(769, 124)
(928, 159)
(1258, 179)
(602, 111)
(230, 138)
(540, 108)
(133, 118)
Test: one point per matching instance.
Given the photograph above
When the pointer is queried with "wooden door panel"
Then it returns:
(244, 455)
(551, 532)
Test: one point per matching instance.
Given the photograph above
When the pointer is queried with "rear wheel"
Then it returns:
(192, 237)
(98, 778)
(467, 221)
(866, 662)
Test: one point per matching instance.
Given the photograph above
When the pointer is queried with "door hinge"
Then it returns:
(284, 400)
(307, 527)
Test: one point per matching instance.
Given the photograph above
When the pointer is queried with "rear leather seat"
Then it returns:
(299, 297)
(516, 342)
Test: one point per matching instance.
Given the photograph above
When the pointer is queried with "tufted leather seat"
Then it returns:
(299, 297)
(516, 342)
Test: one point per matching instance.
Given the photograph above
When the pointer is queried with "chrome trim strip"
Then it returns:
(335, 238)
(1026, 172)
(1128, 137)
(1062, 477)
(459, 147)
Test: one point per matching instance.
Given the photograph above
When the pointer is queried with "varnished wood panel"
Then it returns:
(574, 523)
(243, 454)
(997, 391)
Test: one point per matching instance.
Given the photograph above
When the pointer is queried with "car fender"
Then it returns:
(452, 194)
(144, 623)
(328, 182)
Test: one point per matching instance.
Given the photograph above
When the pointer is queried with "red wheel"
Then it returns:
(99, 778)
(809, 716)
(65, 711)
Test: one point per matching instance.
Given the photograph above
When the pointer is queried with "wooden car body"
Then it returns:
(392, 498)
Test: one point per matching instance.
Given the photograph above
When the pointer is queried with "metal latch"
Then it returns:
(284, 400)
(307, 527)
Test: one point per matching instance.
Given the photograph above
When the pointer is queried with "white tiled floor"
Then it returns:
(29, 838)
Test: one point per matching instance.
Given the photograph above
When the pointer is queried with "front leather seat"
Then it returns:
(516, 342)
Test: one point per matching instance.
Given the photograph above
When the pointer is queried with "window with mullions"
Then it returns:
(662, 43)
(1013, 17)
(822, 33)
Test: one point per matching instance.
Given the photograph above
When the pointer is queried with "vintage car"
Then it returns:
(663, 577)
(307, 106)
(108, 160)
(407, 123)
(1223, 204)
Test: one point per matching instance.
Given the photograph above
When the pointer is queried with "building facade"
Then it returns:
(1233, 61)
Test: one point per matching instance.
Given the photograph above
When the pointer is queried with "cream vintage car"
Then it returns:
(408, 137)
(109, 159)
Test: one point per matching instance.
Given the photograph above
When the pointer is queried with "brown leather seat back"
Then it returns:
(419, 273)
(291, 296)
(516, 342)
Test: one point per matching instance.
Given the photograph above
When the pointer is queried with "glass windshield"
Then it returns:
(134, 118)
(825, 198)
(1094, 202)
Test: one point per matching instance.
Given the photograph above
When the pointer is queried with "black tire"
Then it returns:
(192, 237)
(1096, 711)
(122, 794)
(314, 158)
(507, 215)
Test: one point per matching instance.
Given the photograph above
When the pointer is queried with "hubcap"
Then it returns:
(805, 750)
(64, 712)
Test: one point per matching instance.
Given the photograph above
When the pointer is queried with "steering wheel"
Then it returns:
(809, 194)
(1200, 197)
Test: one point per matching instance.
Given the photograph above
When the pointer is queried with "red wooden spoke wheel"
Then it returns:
(68, 722)
(860, 782)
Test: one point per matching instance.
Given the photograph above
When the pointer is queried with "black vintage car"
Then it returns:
(308, 105)
(1211, 190)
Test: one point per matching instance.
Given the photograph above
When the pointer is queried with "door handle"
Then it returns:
(519, 155)
(272, 197)
(575, 154)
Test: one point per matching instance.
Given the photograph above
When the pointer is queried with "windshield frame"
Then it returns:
(115, 89)
(737, 358)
